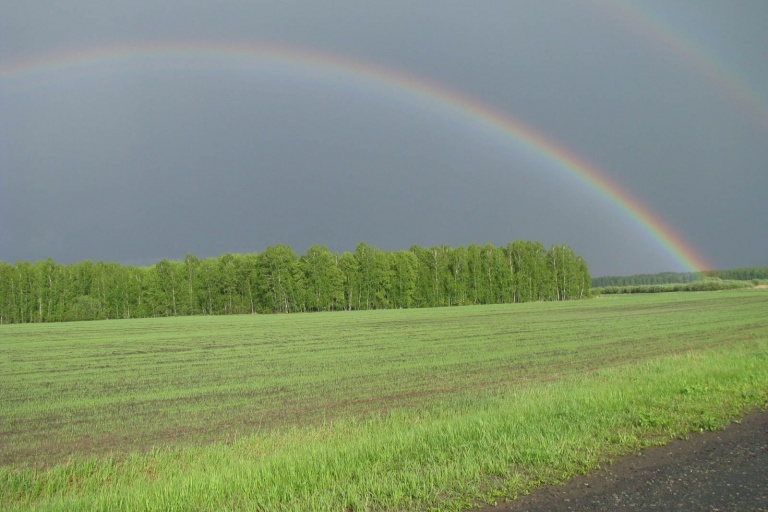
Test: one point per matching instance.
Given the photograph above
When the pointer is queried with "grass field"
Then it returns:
(380, 410)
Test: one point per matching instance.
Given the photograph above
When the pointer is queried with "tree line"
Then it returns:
(279, 281)
(704, 285)
(737, 274)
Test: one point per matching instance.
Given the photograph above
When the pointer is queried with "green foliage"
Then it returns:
(277, 281)
(322, 279)
(740, 274)
(85, 307)
(706, 285)
(646, 279)
(736, 274)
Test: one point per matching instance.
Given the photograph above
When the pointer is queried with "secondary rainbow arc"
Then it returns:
(401, 85)
(650, 25)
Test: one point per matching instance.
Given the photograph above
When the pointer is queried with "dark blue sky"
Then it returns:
(134, 161)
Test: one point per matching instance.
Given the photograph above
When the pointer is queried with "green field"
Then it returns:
(379, 410)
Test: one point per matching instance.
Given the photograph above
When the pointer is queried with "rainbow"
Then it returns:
(654, 28)
(314, 65)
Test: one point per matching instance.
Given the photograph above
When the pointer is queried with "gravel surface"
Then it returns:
(725, 470)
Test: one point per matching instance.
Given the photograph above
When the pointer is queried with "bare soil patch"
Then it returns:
(726, 470)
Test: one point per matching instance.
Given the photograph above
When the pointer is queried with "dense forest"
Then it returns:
(279, 281)
(737, 274)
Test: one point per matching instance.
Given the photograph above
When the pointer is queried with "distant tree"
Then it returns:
(191, 265)
(162, 289)
(373, 275)
(278, 273)
(476, 288)
(402, 282)
(456, 276)
(349, 268)
(250, 269)
(323, 280)
(6, 296)
(428, 289)
(231, 279)
(208, 287)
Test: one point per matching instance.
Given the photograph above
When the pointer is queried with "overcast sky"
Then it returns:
(136, 160)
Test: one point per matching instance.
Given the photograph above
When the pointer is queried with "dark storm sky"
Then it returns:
(132, 161)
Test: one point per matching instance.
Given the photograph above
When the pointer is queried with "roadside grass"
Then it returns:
(411, 410)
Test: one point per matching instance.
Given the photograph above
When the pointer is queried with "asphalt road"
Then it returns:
(723, 471)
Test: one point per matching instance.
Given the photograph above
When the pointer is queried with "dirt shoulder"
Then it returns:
(725, 470)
